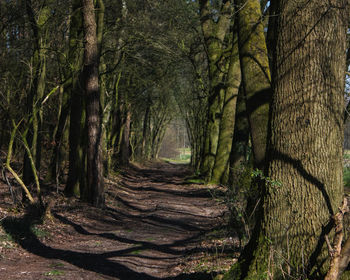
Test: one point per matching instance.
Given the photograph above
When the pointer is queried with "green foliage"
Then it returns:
(346, 177)
(38, 232)
(234, 273)
(237, 194)
(259, 174)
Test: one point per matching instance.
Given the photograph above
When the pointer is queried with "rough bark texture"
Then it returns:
(94, 192)
(255, 74)
(305, 154)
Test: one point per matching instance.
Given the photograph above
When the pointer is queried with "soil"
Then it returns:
(155, 225)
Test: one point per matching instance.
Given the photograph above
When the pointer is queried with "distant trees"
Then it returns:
(99, 93)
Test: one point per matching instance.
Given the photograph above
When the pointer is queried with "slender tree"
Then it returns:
(76, 173)
(94, 191)
(227, 123)
(215, 28)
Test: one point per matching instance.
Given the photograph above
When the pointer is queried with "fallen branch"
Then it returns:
(340, 256)
(9, 168)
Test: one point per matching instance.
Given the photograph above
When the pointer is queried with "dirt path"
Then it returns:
(153, 228)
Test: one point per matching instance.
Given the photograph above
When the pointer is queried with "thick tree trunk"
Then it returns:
(305, 185)
(94, 192)
(255, 74)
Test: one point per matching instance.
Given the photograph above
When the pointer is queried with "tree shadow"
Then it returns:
(21, 231)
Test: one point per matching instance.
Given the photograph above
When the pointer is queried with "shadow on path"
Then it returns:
(152, 223)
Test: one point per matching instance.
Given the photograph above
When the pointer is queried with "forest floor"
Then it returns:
(156, 225)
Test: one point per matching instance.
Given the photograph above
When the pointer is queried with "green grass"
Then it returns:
(54, 272)
(195, 181)
(184, 157)
(136, 252)
(56, 265)
(176, 161)
(39, 233)
(6, 241)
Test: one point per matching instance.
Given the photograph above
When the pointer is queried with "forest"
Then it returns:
(174, 139)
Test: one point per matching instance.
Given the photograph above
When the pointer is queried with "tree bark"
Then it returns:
(214, 36)
(77, 168)
(227, 122)
(303, 187)
(94, 192)
(255, 74)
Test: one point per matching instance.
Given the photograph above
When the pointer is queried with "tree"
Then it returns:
(39, 25)
(94, 191)
(76, 175)
(303, 184)
(255, 74)
(227, 122)
(215, 22)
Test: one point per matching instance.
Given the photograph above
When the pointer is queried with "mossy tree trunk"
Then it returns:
(227, 123)
(255, 74)
(305, 153)
(214, 32)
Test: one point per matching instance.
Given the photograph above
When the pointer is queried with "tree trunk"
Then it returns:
(125, 141)
(214, 35)
(145, 131)
(304, 187)
(94, 192)
(255, 74)
(77, 170)
(227, 122)
(35, 117)
(240, 141)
